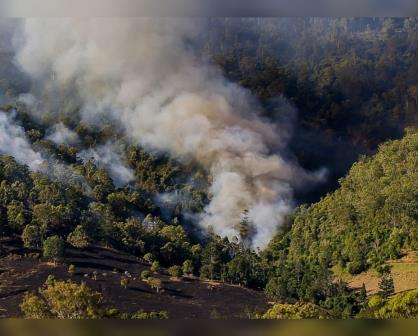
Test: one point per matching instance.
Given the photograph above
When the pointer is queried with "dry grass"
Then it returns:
(404, 271)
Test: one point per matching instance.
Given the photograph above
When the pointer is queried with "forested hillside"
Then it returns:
(353, 82)
(85, 200)
(371, 218)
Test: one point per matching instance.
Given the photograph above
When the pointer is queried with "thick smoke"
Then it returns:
(110, 157)
(13, 142)
(59, 134)
(142, 73)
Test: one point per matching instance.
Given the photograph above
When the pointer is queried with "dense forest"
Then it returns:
(352, 81)
(351, 91)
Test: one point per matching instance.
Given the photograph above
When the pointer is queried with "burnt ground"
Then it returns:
(22, 270)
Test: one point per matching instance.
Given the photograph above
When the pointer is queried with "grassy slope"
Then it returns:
(404, 271)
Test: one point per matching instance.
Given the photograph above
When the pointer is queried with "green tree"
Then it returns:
(16, 216)
(145, 275)
(54, 248)
(50, 218)
(78, 238)
(296, 311)
(175, 271)
(188, 267)
(401, 306)
(212, 257)
(246, 269)
(155, 283)
(245, 226)
(149, 257)
(386, 285)
(63, 300)
(31, 236)
(155, 267)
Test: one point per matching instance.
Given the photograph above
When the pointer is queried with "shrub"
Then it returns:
(188, 267)
(78, 238)
(145, 275)
(142, 315)
(155, 266)
(155, 283)
(149, 257)
(71, 269)
(175, 271)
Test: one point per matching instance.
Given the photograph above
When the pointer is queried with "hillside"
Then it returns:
(23, 270)
(221, 168)
(404, 271)
(369, 220)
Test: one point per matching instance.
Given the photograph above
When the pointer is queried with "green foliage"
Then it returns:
(50, 279)
(145, 275)
(296, 311)
(155, 267)
(63, 300)
(351, 78)
(71, 269)
(149, 257)
(50, 218)
(386, 285)
(246, 269)
(212, 257)
(176, 245)
(188, 267)
(16, 216)
(175, 271)
(31, 236)
(54, 248)
(155, 315)
(356, 81)
(78, 238)
(69, 300)
(156, 284)
(401, 306)
(369, 219)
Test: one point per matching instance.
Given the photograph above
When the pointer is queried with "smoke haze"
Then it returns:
(110, 157)
(59, 134)
(142, 74)
(13, 142)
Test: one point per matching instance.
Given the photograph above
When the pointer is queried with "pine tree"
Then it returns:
(386, 285)
(244, 226)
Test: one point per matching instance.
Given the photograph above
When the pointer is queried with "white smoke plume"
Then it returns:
(142, 73)
(13, 142)
(59, 134)
(110, 157)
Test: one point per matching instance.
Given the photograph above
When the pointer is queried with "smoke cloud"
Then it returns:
(110, 157)
(13, 142)
(142, 73)
(59, 134)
